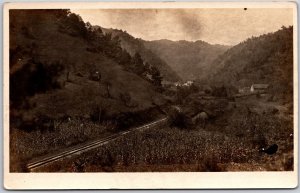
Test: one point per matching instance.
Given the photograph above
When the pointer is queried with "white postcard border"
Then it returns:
(155, 180)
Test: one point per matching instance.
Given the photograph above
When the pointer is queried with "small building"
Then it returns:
(259, 87)
(188, 83)
(177, 84)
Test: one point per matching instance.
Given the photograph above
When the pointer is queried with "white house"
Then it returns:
(188, 83)
(259, 87)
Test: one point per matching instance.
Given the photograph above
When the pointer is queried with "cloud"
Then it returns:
(216, 26)
(190, 24)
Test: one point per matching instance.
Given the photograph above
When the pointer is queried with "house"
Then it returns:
(259, 87)
(188, 83)
(177, 84)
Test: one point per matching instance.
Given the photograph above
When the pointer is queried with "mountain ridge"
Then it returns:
(135, 45)
(191, 60)
(264, 59)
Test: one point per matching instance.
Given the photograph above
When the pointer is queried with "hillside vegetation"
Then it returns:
(191, 60)
(135, 45)
(265, 59)
(61, 66)
(70, 82)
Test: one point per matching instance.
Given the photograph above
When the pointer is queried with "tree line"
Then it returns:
(24, 81)
(105, 43)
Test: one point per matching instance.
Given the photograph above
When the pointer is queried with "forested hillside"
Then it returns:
(61, 66)
(191, 60)
(265, 59)
(136, 47)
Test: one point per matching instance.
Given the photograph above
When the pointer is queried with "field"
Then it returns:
(234, 147)
(36, 143)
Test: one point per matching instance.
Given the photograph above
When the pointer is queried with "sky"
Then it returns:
(215, 26)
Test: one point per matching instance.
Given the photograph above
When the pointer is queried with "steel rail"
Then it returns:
(88, 146)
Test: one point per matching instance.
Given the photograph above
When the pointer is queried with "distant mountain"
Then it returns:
(134, 45)
(264, 59)
(191, 60)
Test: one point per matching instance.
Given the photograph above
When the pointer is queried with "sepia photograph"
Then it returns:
(152, 88)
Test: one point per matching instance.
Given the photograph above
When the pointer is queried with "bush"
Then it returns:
(178, 119)
(34, 77)
(126, 120)
(219, 91)
(98, 114)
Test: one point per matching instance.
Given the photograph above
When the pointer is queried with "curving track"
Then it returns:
(87, 146)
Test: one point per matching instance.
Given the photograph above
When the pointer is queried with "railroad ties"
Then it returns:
(42, 161)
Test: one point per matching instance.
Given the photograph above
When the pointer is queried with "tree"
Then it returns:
(125, 59)
(155, 75)
(177, 118)
(138, 64)
(73, 25)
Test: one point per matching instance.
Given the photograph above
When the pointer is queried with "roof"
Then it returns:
(260, 86)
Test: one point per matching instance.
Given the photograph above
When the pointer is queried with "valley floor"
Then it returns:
(174, 150)
(230, 146)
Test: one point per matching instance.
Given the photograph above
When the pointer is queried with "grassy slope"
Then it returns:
(80, 94)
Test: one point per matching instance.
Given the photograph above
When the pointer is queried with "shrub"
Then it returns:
(219, 91)
(179, 119)
(126, 120)
(35, 77)
(98, 114)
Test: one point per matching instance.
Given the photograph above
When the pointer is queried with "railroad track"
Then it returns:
(42, 161)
